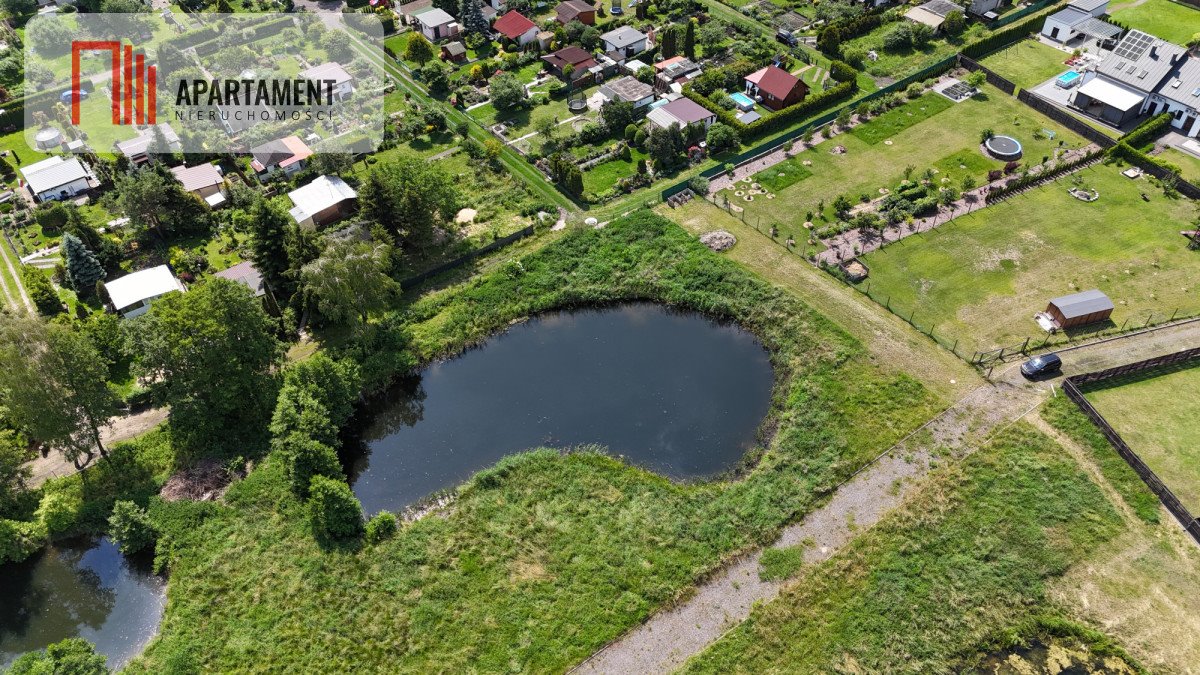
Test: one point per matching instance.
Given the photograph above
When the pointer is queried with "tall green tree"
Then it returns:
(73, 656)
(268, 224)
(155, 201)
(471, 15)
(689, 39)
(418, 49)
(14, 474)
(83, 270)
(54, 385)
(350, 282)
(411, 198)
(668, 46)
(211, 354)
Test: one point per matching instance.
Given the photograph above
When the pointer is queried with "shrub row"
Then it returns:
(1027, 180)
(1147, 132)
(1005, 37)
(1128, 153)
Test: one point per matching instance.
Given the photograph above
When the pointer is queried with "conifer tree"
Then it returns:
(471, 13)
(83, 269)
(689, 40)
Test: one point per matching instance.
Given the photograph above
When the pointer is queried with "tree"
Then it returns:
(268, 224)
(83, 270)
(418, 50)
(336, 44)
(211, 353)
(14, 474)
(711, 35)
(130, 526)
(954, 23)
(73, 656)
(54, 385)
(436, 74)
(471, 14)
(350, 282)
(335, 384)
(664, 146)
(410, 197)
(667, 46)
(41, 291)
(590, 38)
(155, 201)
(18, 8)
(507, 91)
(968, 183)
(689, 39)
(721, 137)
(617, 115)
(335, 512)
(305, 458)
(975, 79)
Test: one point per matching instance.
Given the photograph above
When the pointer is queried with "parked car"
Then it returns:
(1039, 366)
(786, 37)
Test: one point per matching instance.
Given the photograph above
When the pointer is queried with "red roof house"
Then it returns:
(575, 10)
(516, 27)
(777, 87)
(578, 58)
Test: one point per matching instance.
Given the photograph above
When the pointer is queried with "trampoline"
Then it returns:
(1003, 147)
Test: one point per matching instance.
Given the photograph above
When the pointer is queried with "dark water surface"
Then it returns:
(674, 392)
(83, 588)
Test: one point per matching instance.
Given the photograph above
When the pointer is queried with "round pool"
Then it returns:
(1003, 147)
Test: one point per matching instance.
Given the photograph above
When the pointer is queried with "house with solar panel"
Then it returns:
(1143, 76)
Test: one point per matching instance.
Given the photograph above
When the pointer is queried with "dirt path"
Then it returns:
(669, 638)
(18, 292)
(120, 428)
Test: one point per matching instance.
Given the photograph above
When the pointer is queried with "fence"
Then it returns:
(993, 78)
(1151, 166)
(1165, 495)
(464, 259)
(1033, 345)
(1066, 119)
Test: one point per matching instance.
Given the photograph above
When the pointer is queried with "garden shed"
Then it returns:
(1080, 309)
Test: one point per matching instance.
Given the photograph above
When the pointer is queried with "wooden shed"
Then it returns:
(1080, 309)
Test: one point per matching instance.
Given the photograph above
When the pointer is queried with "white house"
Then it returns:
(436, 24)
(683, 112)
(516, 27)
(325, 200)
(625, 42)
(628, 89)
(57, 178)
(132, 294)
(1077, 20)
(343, 84)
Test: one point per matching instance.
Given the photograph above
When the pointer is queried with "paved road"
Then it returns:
(669, 638)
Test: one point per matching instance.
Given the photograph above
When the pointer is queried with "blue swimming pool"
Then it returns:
(742, 101)
(1068, 79)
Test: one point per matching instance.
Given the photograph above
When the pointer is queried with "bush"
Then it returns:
(19, 539)
(841, 71)
(130, 526)
(334, 510)
(381, 526)
(73, 656)
(305, 458)
(59, 512)
(914, 90)
(1147, 132)
(631, 132)
(699, 185)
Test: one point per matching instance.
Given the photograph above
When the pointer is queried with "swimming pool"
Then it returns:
(1068, 79)
(742, 101)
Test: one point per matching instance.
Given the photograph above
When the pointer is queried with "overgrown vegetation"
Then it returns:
(555, 554)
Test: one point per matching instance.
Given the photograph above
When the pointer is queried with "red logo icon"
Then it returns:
(133, 82)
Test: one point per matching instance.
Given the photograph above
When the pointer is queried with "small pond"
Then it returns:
(83, 588)
(674, 392)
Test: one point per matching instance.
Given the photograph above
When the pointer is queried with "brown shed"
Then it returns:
(1080, 309)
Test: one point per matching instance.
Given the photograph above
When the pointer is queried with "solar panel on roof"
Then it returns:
(1134, 45)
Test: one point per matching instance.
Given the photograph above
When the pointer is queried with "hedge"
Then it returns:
(1147, 132)
(1003, 38)
(1130, 154)
(779, 120)
(1027, 180)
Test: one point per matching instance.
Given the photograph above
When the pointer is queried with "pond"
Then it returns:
(83, 588)
(674, 392)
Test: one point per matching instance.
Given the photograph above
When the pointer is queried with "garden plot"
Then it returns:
(980, 278)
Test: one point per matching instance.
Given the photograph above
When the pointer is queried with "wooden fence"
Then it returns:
(1071, 387)
(464, 259)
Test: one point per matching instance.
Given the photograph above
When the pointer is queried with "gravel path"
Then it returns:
(119, 429)
(669, 638)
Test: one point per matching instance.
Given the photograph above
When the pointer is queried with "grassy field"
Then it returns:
(604, 176)
(948, 141)
(554, 555)
(896, 65)
(1168, 20)
(961, 569)
(982, 277)
(1159, 424)
(1188, 164)
(1028, 63)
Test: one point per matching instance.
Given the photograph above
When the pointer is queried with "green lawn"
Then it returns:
(898, 119)
(1028, 63)
(1157, 415)
(982, 277)
(1188, 163)
(936, 142)
(964, 563)
(782, 175)
(604, 176)
(899, 64)
(1168, 20)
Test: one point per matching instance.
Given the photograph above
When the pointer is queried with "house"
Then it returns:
(932, 13)
(544, 38)
(283, 154)
(408, 11)
(629, 90)
(516, 27)
(777, 87)
(57, 178)
(1095, 8)
(675, 69)
(624, 42)
(343, 84)
(682, 111)
(325, 200)
(1143, 75)
(132, 294)
(1079, 309)
(436, 24)
(575, 10)
(1073, 22)
(578, 58)
(454, 52)
(983, 7)
(203, 180)
(137, 149)
(246, 274)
